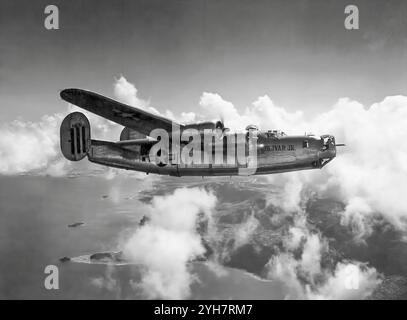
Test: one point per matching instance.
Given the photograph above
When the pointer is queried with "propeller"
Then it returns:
(221, 125)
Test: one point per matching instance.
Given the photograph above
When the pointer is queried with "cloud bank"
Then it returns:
(369, 174)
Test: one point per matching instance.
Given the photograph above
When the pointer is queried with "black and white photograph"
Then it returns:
(204, 150)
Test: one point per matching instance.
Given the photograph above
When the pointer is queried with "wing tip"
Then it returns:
(65, 94)
(69, 94)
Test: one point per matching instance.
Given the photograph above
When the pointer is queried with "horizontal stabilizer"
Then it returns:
(136, 142)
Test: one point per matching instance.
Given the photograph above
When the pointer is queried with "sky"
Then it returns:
(297, 52)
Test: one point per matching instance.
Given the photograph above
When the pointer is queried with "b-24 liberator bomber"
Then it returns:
(154, 144)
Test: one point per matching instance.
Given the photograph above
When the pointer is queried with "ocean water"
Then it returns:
(35, 212)
(34, 216)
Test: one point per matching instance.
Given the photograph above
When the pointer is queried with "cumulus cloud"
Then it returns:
(169, 242)
(290, 193)
(217, 108)
(358, 216)
(126, 92)
(306, 277)
(350, 280)
(263, 112)
(28, 146)
(244, 231)
(108, 282)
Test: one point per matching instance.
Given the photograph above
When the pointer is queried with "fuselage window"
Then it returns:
(305, 144)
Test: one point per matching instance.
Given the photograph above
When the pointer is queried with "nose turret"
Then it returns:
(328, 149)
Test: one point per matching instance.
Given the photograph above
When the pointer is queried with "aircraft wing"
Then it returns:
(134, 118)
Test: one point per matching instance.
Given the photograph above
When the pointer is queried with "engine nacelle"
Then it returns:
(75, 136)
(131, 134)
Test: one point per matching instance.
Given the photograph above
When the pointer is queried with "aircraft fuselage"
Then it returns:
(274, 155)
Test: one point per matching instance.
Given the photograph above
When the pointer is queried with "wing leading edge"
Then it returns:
(131, 117)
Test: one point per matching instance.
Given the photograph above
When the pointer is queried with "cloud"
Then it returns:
(28, 146)
(351, 280)
(217, 108)
(108, 282)
(126, 92)
(244, 231)
(290, 191)
(262, 112)
(374, 168)
(358, 215)
(306, 277)
(302, 260)
(169, 242)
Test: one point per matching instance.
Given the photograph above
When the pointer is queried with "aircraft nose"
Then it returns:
(328, 147)
(330, 152)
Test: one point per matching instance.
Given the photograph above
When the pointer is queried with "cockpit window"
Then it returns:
(305, 144)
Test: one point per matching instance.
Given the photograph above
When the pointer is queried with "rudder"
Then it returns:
(75, 136)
